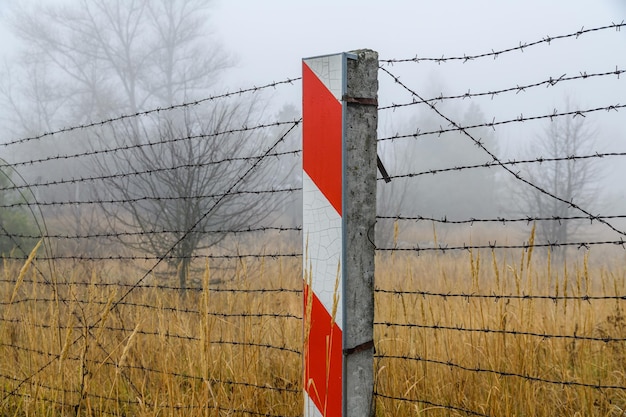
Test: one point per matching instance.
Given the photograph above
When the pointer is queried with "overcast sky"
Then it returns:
(271, 36)
(269, 39)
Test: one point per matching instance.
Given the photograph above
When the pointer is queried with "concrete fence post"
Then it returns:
(339, 212)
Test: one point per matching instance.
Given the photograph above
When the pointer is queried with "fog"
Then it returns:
(152, 146)
(266, 41)
(270, 38)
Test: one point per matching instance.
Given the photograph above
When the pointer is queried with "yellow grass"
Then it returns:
(153, 353)
(70, 346)
(488, 355)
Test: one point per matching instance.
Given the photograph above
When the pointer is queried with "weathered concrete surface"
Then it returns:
(359, 213)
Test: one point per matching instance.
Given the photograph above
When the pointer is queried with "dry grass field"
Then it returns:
(524, 341)
(472, 333)
(75, 347)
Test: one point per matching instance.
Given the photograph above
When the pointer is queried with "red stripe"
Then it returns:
(321, 137)
(323, 359)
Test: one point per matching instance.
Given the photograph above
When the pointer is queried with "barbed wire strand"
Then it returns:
(495, 54)
(551, 82)
(156, 197)
(490, 164)
(134, 305)
(498, 297)
(137, 173)
(96, 235)
(151, 111)
(492, 246)
(97, 152)
(159, 287)
(526, 377)
(168, 256)
(520, 119)
(486, 330)
(503, 220)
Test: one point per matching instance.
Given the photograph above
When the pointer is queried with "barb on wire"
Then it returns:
(517, 89)
(519, 119)
(495, 159)
(151, 111)
(495, 54)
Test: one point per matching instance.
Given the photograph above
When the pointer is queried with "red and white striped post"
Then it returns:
(339, 212)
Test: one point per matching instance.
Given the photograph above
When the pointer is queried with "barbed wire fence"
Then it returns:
(110, 317)
(487, 306)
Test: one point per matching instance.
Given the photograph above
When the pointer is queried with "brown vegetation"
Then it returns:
(74, 345)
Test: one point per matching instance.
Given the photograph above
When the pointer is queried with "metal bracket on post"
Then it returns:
(382, 169)
(363, 101)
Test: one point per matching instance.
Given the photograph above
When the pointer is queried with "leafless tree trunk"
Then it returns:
(573, 180)
(170, 172)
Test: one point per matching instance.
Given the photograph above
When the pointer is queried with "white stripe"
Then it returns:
(329, 69)
(321, 227)
(310, 410)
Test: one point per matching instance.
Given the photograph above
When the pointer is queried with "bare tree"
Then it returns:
(573, 180)
(112, 57)
(86, 60)
(171, 187)
(446, 193)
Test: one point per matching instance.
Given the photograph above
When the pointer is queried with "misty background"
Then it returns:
(56, 74)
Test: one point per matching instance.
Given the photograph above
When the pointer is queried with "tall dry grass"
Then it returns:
(69, 345)
(488, 354)
(75, 347)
